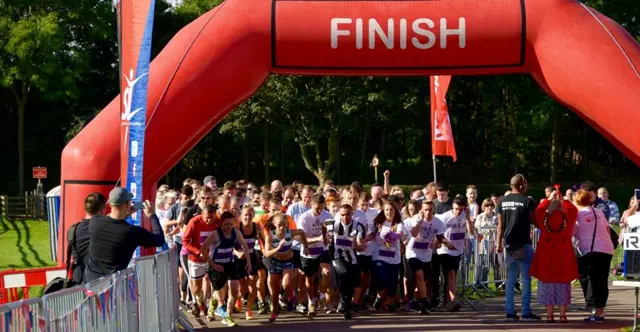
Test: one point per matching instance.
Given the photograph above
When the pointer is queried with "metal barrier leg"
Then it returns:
(183, 323)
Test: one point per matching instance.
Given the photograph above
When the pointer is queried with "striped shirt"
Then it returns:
(344, 238)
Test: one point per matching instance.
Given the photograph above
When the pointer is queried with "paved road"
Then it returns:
(489, 317)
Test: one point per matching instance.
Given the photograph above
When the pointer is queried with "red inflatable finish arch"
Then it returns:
(580, 57)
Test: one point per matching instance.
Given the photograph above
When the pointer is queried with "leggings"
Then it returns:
(347, 276)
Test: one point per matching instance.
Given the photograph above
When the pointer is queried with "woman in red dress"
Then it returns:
(554, 263)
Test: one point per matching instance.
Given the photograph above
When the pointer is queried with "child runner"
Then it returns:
(278, 243)
(223, 273)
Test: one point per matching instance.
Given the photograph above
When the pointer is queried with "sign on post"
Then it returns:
(374, 163)
(631, 241)
(39, 173)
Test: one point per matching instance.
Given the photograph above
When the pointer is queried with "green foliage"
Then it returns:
(64, 54)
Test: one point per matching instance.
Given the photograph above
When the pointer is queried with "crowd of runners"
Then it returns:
(269, 249)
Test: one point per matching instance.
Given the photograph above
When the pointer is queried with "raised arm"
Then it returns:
(155, 238)
(415, 230)
(387, 185)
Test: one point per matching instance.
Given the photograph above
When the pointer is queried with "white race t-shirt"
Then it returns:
(584, 232)
(388, 254)
(369, 227)
(312, 224)
(474, 210)
(295, 210)
(455, 232)
(419, 247)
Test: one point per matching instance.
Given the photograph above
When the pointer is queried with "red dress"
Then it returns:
(554, 260)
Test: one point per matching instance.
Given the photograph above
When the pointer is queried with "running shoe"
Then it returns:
(594, 319)
(195, 310)
(228, 321)
(274, 316)
(248, 315)
(453, 306)
(424, 310)
(301, 308)
(283, 304)
(531, 317)
(347, 314)
(262, 309)
(512, 317)
(312, 308)
(377, 303)
(238, 306)
(221, 311)
(329, 309)
(290, 305)
(341, 307)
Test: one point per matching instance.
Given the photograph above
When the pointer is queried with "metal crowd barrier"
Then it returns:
(143, 297)
(483, 270)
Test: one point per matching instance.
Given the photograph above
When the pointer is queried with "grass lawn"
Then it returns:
(25, 244)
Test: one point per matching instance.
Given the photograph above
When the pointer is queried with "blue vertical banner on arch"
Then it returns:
(135, 27)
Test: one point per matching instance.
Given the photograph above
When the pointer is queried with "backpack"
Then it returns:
(59, 283)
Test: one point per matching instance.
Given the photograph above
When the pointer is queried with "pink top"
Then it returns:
(584, 232)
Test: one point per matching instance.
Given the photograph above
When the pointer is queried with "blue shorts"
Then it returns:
(278, 267)
(387, 275)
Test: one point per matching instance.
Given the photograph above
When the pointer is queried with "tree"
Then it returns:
(35, 54)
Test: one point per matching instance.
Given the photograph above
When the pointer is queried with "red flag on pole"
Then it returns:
(442, 135)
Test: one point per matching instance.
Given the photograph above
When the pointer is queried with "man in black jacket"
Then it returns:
(78, 235)
(112, 240)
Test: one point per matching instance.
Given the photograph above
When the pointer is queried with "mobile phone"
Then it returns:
(138, 205)
(637, 193)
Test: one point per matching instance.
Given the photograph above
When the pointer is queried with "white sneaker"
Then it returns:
(329, 309)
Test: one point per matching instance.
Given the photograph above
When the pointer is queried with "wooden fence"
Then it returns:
(29, 206)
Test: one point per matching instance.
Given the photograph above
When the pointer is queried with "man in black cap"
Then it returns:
(112, 240)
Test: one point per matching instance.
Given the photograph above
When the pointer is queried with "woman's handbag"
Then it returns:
(593, 239)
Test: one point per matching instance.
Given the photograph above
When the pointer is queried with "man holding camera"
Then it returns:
(112, 240)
